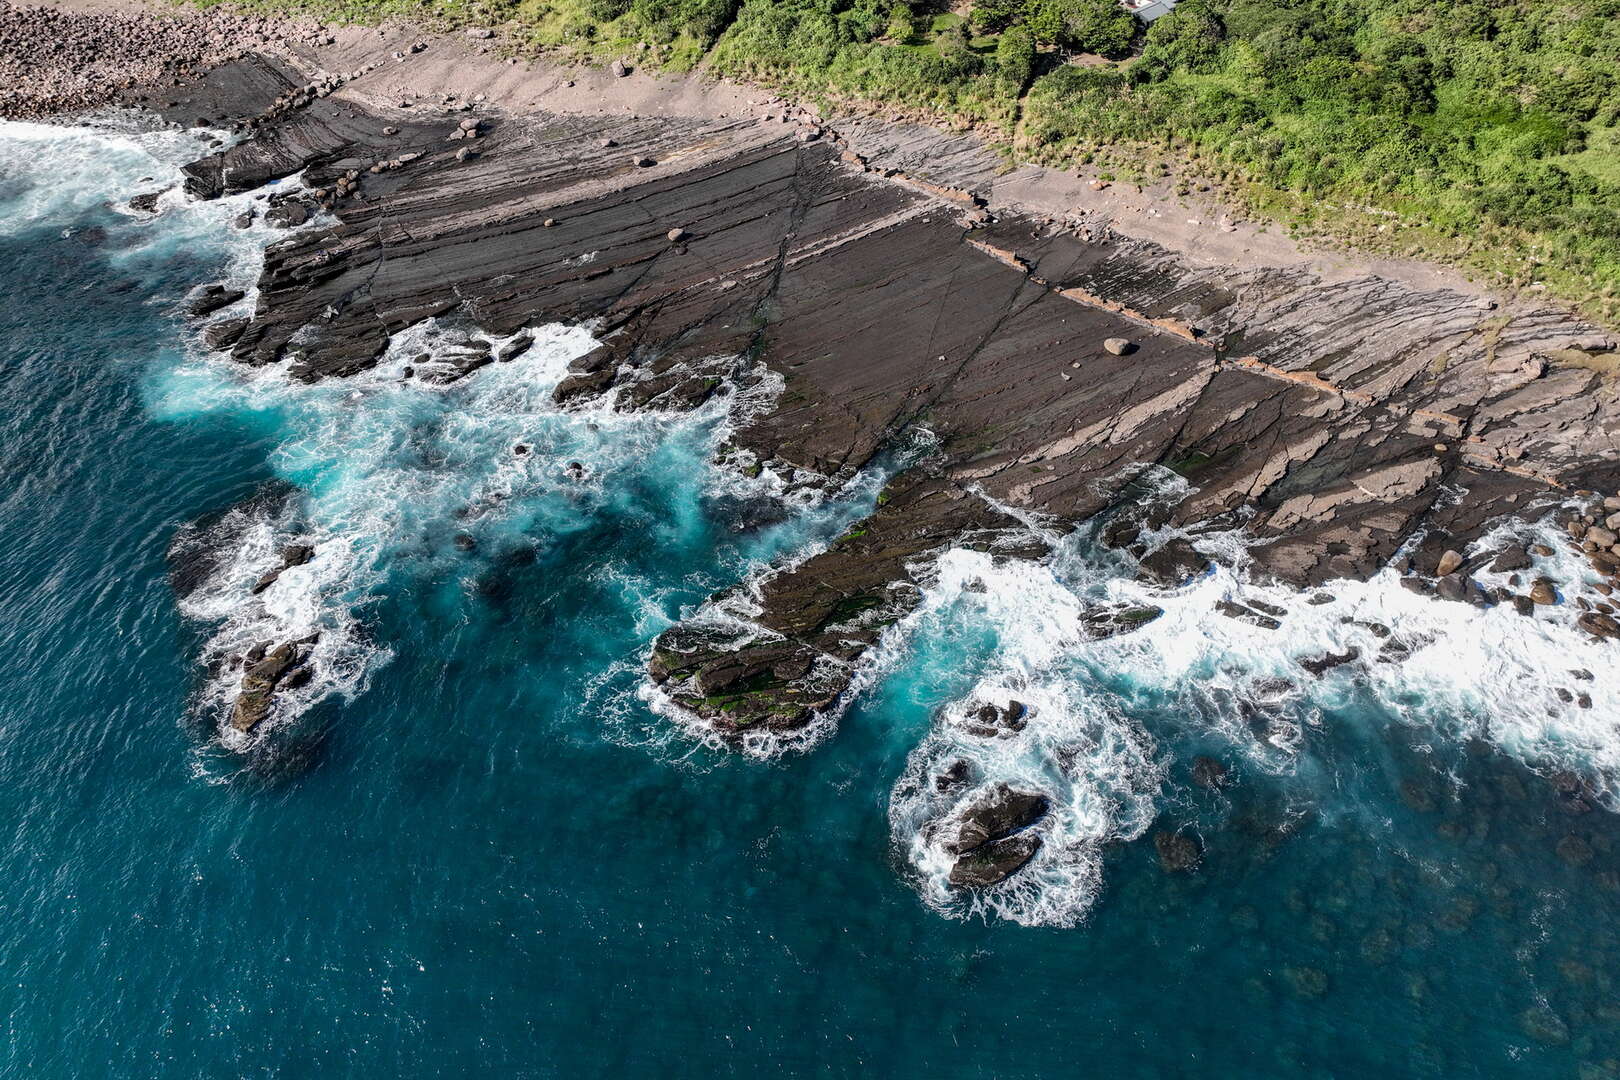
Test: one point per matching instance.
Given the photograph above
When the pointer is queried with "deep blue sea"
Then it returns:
(474, 847)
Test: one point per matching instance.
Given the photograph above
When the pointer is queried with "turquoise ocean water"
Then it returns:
(478, 849)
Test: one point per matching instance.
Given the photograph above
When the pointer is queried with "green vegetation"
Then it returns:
(1479, 132)
(1482, 132)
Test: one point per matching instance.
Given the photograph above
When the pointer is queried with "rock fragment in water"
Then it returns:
(998, 813)
(991, 721)
(1108, 622)
(515, 348)
(1542, 592)
(1243, 613)
(1512, 558)
(994, 862)
(225, 333)
(1449, 562)
(959, 773)
(288, 214)
(291, 555)
(259, 686)
(1317, 665)
(145, 204)
(1599, 625)
(1176, 562)
(210, 298)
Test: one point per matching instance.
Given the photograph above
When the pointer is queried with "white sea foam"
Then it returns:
(383, 460)
(1460, 671)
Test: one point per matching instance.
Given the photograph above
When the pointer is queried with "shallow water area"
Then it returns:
(474, 847)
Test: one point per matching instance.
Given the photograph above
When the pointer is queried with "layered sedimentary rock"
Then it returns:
(1336, 419)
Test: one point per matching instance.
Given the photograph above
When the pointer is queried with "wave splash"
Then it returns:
(1083, 709)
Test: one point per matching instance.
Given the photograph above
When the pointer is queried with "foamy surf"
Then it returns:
(1462, 672)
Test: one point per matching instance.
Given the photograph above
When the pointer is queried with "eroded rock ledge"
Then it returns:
(1336, 419)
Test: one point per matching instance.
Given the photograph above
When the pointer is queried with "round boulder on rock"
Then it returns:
(1119, 346)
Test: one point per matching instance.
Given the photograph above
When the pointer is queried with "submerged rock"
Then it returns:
(1543, 1025)
(1179, 852)
(1208, 772)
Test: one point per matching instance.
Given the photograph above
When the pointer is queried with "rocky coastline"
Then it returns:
(1347, 423)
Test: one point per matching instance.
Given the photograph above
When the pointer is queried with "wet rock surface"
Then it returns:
(1048, 364)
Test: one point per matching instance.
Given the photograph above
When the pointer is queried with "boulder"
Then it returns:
(1453, 587)
(1176, 562)
(994, 862)
(957, 774)
(259, 686)
(997, 813)
(287, 215)
(1542, 592)
(642, 161)
(619, 68)
(676, 235)
(1449, 562)
(1119, 346)
(1599, 625)
(296, 555)
(1511, 559)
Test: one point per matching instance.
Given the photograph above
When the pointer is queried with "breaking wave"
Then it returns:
(1101, 702)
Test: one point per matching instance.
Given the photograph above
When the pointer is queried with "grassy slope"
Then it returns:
(1484, 133)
